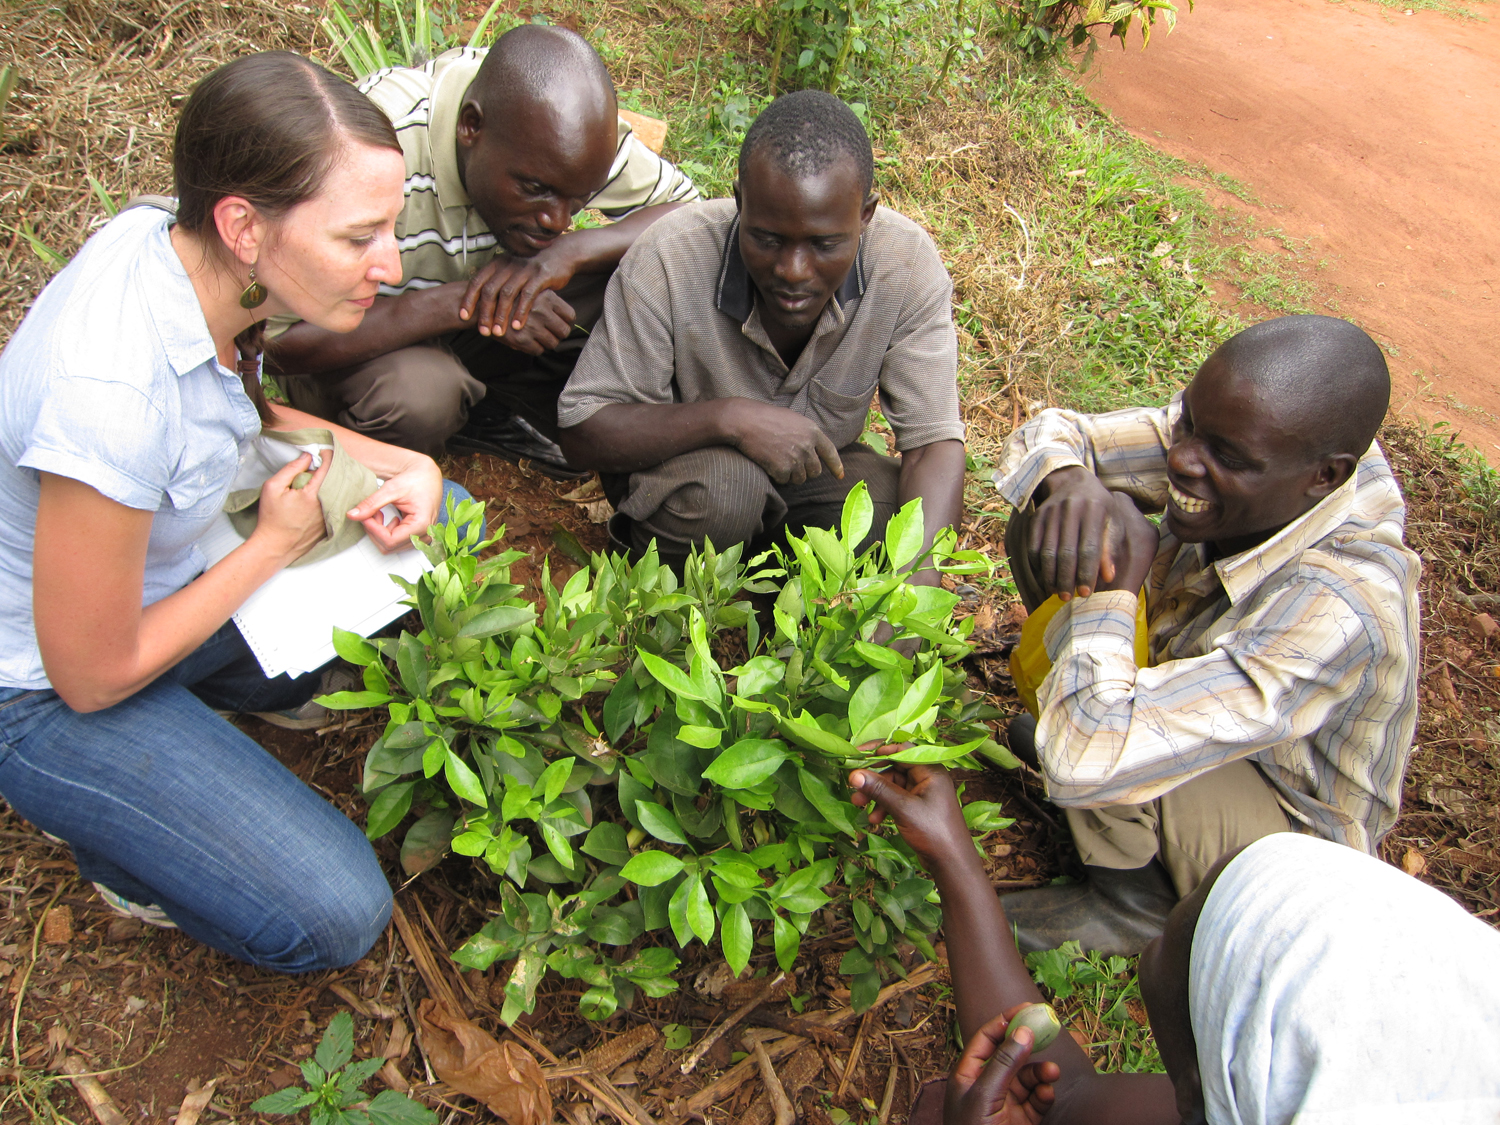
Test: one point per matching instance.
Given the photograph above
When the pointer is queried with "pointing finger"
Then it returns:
(829, 454)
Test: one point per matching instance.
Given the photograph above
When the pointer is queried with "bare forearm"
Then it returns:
(392, 323)
(628, 437)
(116, 660)
(934, 472)
(599, 249)
(988, 974)
(990, 977)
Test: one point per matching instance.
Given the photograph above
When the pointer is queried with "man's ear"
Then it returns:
(470, 124)
(241, 227)
(867, 212)
(1332, 473)
(738, 204)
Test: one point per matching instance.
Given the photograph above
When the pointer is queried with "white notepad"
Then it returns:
(288, 623)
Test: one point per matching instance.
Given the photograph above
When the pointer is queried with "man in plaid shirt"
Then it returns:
(1282, 610)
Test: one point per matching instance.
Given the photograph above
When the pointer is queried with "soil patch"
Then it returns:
(1367, 135)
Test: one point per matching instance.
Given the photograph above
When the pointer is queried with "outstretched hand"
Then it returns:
(995, 1084)
(922, 800)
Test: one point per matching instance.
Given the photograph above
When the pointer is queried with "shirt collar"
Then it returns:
(180, 325)
(452, 74)
(1243, 573)
(736, 293)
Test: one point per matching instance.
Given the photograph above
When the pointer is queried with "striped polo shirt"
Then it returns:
(441, 236)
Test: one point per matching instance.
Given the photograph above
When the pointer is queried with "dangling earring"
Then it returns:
(255, 293)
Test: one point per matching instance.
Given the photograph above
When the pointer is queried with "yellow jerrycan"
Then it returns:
(1029, 663)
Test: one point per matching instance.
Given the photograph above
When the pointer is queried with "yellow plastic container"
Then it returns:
(1029, 663)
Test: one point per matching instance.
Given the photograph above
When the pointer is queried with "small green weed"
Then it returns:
(385, 37)
(9, 76)
(1477, 479)
(334, 1094)
(1095, 994)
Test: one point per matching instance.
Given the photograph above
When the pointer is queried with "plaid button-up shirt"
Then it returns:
(1299, 654)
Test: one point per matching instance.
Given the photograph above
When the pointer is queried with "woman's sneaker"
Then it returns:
(152, 915)
(312, 714)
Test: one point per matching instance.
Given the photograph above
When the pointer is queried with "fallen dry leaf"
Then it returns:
(585, 492)
(1413, 862)
(503, 1076)
(599, 511)
(196, 1102)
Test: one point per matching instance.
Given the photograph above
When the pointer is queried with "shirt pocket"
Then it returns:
(841, 416)
(201, 486)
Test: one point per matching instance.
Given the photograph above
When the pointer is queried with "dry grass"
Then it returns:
(962, 176)
(100, 86)
(1449, 830)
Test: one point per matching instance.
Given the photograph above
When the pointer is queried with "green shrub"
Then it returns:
(622, 785)
(1050, 29)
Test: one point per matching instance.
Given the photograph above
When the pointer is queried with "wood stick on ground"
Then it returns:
(890, 1091)
(731, 1080)
(854, 1053)
(831, 1061)
(790, 1025)
(617, 1101)
(911, 1071)
(926, 974)
(695, 1105)
(195, 1103)
(438, 941)
(707, 1042)
(95, 1096)
(427, 966)
(782, 1105)
(805, 1028)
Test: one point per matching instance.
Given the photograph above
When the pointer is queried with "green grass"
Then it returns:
(1446, 7)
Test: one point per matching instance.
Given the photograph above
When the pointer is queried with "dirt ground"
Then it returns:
(159, 1015)
(1371, 135)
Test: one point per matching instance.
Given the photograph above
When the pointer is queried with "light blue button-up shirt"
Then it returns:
(112, 380)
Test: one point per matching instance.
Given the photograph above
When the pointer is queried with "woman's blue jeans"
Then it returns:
(165, 802)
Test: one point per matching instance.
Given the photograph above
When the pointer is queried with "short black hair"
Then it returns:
(806, 132)
(1322, 371)
(535, 63)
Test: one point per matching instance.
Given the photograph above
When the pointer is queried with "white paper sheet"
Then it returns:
(288, 623)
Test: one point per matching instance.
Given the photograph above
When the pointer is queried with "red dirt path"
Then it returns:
(1373, 135)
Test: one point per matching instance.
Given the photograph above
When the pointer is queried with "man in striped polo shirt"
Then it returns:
(503, 148)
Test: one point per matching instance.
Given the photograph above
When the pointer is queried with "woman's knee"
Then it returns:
(327, 922)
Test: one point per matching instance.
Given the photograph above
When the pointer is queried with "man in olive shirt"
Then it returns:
(503, 147)
(723, 393)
